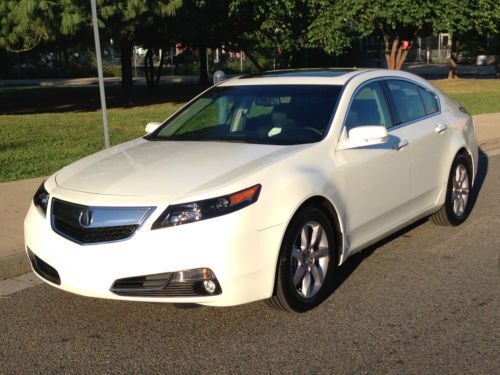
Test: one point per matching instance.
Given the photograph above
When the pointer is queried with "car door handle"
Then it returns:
(398, 145)
(440, 128)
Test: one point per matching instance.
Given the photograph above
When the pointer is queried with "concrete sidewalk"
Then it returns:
(17, 195)
(16, 198)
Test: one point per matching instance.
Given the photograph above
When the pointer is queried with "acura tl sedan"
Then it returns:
(259, 188)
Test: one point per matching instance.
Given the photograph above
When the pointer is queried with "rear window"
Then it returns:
(430, 101)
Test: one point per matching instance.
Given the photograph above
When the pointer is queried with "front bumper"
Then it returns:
(242, 258)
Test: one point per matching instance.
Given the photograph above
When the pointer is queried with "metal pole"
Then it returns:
(99, 72)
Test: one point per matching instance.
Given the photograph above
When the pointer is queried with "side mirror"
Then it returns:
(152, 126)
(366, 136)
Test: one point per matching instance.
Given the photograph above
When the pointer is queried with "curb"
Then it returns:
(14, 264)
(490, 144)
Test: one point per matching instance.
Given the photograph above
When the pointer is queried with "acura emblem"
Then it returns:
(86, 217)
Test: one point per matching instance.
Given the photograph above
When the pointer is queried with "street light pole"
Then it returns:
(99, 72)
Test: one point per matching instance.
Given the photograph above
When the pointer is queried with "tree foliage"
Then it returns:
(24, 24)
(478, 16)
(288, 28)
(279, 25)
(337, 21)
(464, 19)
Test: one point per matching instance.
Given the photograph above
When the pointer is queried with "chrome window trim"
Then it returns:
(390, 78)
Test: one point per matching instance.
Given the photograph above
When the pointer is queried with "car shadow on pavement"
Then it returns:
(353, 262)
(482, 171)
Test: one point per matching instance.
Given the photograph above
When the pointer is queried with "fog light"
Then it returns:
(209, 286)
(193, 275)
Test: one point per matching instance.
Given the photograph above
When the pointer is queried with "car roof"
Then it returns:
(326, 72)
(325, 76)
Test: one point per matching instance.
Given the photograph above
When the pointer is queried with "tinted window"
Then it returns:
(430, 101)
(270, 114)
(406, 99)
(369, 107)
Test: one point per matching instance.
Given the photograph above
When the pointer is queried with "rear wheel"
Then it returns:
(307, 260)
(457, 205)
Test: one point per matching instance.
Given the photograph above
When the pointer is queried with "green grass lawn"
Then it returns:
(41, 140)
(39, 144)
(476, 95)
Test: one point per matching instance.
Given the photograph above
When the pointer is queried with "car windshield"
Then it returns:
(266, 114)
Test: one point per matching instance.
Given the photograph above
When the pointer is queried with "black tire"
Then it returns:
(447, 216)
(287, 297)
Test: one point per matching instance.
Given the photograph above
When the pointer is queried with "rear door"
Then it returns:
(377, 178)
(426, 128)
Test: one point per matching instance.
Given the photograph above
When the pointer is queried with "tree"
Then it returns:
(29, 24)
(24, 24)
(464, 19)
(126, 19)
(279, 25)
(203, 24)
(399, 22)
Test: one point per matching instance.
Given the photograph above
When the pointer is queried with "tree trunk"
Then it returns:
(160, 67)
(379, 53)
(203, 65)
(453, 60)
(126, 63)
(387, 51)
(396, 56)
(394, 50)
(149, 69)
(66, 58)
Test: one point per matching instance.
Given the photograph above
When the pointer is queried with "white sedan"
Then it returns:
(259, 188)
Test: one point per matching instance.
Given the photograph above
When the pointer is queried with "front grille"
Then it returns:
(93, 235)
(89, 225)
(174, 289)
(152, 281)
(44, 269)
(159, 285)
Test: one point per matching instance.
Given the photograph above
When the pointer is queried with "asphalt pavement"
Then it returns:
(425, 301)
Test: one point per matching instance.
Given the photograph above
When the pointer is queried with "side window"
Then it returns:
(430, 101)
(368, 107)
(406, 99)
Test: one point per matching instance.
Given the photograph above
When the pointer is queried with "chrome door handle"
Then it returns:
(398, 145)
(440, 128)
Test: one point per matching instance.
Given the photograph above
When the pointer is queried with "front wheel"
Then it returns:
(307, 260)
(457, 205)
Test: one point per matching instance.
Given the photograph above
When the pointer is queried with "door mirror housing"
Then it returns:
(369, 135)
(152, 126)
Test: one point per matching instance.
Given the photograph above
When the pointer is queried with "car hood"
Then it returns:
(174, 168)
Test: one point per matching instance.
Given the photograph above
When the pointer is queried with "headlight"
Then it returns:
(41, 198)
(196, 211)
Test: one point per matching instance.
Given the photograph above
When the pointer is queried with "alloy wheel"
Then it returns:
(460, 190)
(310, 258)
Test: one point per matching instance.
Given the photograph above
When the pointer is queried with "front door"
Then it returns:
(377, 178)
